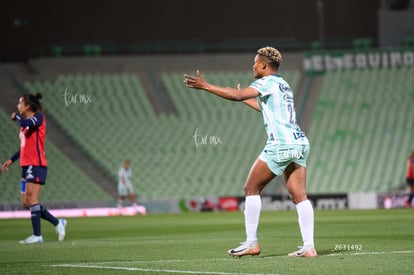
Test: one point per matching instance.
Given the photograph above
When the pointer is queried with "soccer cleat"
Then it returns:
(245, 248)
(60, 229)
(32, 239)
(304, 252)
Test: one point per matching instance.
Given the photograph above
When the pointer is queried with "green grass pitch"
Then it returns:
(348, 242)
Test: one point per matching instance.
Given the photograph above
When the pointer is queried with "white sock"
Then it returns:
(252, 208)
(306, 222)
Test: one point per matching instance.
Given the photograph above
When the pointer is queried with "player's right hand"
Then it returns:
(13, 116)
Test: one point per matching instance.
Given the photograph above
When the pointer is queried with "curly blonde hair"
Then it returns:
(271, 54)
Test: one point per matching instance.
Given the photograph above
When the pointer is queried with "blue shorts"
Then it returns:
(36, 174)
(278, 157)
(410, 182)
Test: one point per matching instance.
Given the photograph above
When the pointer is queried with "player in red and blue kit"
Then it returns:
(34, 164)
(410, 179)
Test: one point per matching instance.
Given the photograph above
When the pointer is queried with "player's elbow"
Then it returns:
(237, 97)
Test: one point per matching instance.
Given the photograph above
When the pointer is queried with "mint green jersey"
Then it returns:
(277, 106)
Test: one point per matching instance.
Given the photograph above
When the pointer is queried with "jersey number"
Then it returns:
(291, 114)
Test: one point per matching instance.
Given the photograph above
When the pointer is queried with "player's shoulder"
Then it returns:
(40, 116)
(273, 78)
(261, 82)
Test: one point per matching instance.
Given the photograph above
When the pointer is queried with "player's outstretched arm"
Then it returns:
(251, 102)
(198, 82)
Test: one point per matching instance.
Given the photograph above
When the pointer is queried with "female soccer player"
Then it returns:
(34, 164)
(286, 150)
(409, 176)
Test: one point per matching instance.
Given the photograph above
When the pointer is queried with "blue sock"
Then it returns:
(35, 217)
(48, 216)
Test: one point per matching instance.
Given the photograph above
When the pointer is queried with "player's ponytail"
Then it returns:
(33, 101)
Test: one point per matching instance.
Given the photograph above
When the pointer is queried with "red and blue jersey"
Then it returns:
(32, 141)
(410, 168)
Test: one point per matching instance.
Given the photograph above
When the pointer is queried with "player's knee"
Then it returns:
(26, 204)
(248, 191)
(297, 198)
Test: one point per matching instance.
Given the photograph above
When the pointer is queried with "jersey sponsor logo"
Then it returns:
(22, 136)
(284, 88)
(288, 98)
(298, 135)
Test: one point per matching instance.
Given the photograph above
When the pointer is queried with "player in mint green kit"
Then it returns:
(285, 152)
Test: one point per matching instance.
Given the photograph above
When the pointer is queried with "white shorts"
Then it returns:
(278, 157)
(125, 189)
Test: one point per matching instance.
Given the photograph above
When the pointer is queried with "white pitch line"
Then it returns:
(370, 253)
(153, 270)
(102, 266)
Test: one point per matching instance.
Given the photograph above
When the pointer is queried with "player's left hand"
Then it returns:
(6, 165)
(196, 82)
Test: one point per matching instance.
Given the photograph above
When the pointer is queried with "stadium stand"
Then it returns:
(360, 125)
(361, 131)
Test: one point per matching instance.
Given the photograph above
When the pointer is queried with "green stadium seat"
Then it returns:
(361, 131)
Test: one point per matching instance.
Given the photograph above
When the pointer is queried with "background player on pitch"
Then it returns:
(409, 176)
(126, 189)
(285, 153)
(34, 164)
